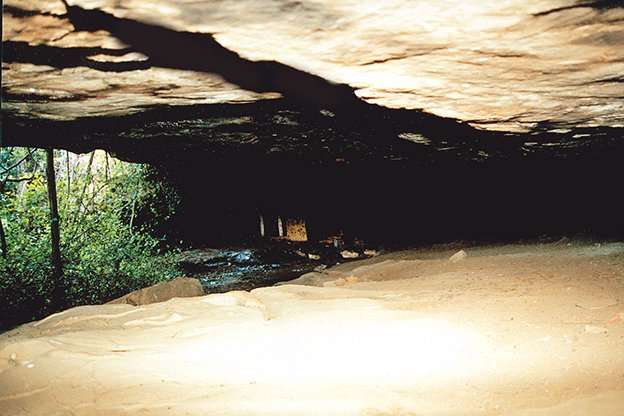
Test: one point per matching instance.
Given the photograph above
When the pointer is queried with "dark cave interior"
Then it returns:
(382, 202)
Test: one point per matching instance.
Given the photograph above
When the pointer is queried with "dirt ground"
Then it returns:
(509, 330)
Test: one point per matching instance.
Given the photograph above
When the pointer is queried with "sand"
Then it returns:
(508, 330)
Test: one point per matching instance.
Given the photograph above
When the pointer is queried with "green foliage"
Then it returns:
(106, 251)
(157, 202)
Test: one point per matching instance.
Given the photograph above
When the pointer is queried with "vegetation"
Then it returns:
(109, 212)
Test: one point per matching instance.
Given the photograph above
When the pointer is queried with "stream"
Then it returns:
(249, 267)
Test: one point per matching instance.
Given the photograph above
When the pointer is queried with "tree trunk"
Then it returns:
(3, 242)
(86, 184)
(133, 208)
(55, 232)
(67, 203)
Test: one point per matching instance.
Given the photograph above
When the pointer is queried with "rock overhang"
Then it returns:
(278, 83)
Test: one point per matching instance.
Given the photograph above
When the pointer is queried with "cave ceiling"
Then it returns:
(323, 80)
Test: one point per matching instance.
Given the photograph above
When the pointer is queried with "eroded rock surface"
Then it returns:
(237, 78)
(507, 66)
(503, 332)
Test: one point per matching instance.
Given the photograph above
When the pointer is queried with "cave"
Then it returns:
(381, 209)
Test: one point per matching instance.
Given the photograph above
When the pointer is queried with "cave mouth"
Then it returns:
(391, 205)
(344, 208)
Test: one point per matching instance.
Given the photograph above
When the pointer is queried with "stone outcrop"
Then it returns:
(181, 287)
(71, 78)
(459, 256)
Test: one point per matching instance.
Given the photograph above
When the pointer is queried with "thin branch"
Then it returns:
(68, 181)
(7, 170)
(24, 179)
(84, 188)
(107, 168)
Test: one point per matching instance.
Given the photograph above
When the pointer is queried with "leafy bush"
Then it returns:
(104, 254)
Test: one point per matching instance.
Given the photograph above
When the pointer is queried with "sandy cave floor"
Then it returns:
(513, 330)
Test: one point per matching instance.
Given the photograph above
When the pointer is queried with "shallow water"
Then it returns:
(223, 270)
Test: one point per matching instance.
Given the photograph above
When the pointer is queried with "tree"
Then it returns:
(55, 231)
(3, 242)
(99, 256)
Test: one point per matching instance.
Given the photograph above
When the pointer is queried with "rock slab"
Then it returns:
(459, 256)
(181, 287)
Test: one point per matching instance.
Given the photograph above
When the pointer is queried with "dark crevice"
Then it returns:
(9, 96)
(19, 12)
(598, 5)
(407, 55)
(617, 78)
(200, 52)
(68, 57)
(239, 132)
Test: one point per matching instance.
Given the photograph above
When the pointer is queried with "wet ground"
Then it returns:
(249, 267)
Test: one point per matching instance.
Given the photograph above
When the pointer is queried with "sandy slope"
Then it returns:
(520, 330)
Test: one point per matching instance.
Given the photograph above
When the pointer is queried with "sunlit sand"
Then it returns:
(524, 329)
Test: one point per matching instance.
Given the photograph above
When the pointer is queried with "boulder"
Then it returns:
(181, 287)
(348, 254)
(459, 256)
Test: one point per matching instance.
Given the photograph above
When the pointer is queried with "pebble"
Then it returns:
(352, 279)
(13, 359)
(591, 329)
(346, 254)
